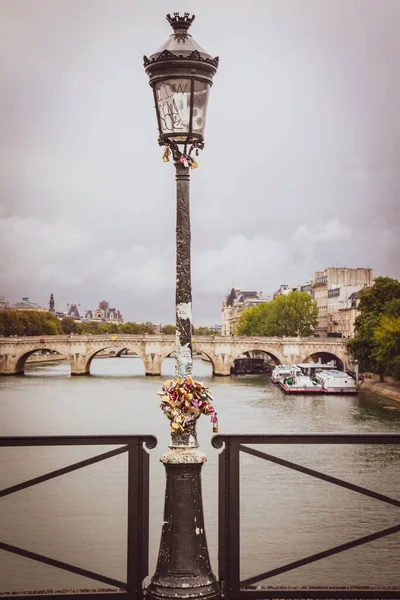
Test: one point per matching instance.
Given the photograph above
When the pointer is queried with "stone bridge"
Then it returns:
(153, 349)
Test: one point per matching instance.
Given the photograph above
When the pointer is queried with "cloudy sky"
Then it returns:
(300, 170)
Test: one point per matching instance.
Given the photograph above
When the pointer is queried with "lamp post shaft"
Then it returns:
(183, 297)
(183, 568)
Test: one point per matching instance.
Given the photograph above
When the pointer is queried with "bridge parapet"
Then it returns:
(153, 349)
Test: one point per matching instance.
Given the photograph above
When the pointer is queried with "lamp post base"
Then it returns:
(183, 567)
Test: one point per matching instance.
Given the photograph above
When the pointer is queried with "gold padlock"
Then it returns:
(166, 154)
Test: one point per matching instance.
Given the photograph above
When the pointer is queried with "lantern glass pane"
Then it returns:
(173, 98)
(173, 105)
(200, 101)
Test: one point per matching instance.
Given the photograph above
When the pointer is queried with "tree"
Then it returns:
(130, 328)
(392, 307)
(69, 326)
(168, 329)
(203, 331)
(372, 331)
(387, 344)
(376, 298)
(255, 320)
(293, 315)
(28, 322)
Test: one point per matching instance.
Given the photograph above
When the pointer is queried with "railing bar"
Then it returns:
(223, 511)
(75, 440)
(63, 471)
(320, 555)
(233, 516)
(61, 565)
(356, 593)
(319, 475)
(133, 558)
(145, 483)
(309, 438)
(101, 595)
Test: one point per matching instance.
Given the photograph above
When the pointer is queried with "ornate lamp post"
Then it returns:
(181, 75)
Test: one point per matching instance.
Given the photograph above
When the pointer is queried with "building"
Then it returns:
(104, 313)
(52, 306)
(342, 310)
(307, 288)
(234, 305)
(283, 290)
(3, 303)
(331, 289)
(23, 304)
(344, 320)
(73, 312)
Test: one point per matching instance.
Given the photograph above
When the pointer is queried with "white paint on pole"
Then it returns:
(184, 310)
(183, 352)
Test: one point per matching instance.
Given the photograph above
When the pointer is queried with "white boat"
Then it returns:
(301, 384)
(312, 368)
(281, 371)
(336, 382)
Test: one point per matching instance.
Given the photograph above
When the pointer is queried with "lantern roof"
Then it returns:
(180, 44)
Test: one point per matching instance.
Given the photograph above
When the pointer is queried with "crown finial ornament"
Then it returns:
(180, 24)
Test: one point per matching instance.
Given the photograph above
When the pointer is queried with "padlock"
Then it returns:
(166, 154)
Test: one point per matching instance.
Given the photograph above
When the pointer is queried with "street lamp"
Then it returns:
(181, 75)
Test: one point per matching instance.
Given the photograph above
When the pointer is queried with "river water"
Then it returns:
(80, 518)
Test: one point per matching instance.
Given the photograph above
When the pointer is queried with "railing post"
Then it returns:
(183, 567)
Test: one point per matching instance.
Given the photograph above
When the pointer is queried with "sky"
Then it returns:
(300, 169)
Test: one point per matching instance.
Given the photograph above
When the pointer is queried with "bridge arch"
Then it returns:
(210, 358)
(119, 353)
(20, 362)
(272, 354)
(93, 355)
(326, 357)
(165, 367)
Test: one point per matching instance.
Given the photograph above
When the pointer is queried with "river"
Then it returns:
(81, 517)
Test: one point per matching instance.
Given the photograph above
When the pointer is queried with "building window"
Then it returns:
(333, 293)
(323, 279)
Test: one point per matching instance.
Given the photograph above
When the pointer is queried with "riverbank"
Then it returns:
(389, 390)
(45, 358)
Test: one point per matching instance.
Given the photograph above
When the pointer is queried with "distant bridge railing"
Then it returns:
(168, 337)
(234, 448)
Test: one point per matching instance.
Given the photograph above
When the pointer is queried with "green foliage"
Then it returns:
(255, 320)
(362, 346)
(98, 328)
(137, 328)
(375, 298)
(28, 322)
(69, 325)
(376, 342)
(168, 329)
(203, 331)
(392, 308)
(293, 315)
(387, 343)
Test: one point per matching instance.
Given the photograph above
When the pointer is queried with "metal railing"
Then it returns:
(137, 502)
(229, 517)
(233, 447)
